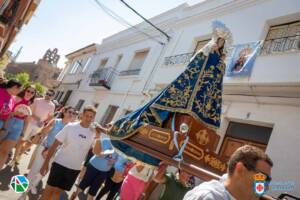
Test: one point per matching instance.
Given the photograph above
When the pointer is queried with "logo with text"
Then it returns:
(259, 184)
(19, 183)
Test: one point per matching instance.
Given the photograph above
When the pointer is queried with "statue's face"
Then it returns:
(221, 42)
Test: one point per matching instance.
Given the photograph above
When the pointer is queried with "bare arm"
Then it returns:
(97, 149)
(47, 128)
(50, 153)
(26, 123)
(33, 108)
(160, 176)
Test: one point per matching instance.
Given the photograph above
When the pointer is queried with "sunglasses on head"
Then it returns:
(30, 91)
(49, 94)
(72, 112)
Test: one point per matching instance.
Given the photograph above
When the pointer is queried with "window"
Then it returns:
(60, 95)
(249, 132)
(79, 104)
(126, 112)
(66, 97)
(282, 38)
(55, 75)
(75, 66)
(118, 61)
(136, 64)
(103, 62)
(138, 60)
(56, 95)
(109, 114)
(86, 64)
(200, 44)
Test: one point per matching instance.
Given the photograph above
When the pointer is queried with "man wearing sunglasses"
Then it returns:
(42, 110)
(243, 165)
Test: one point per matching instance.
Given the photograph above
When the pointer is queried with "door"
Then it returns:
(231, 144)
(66, 98)
(109, 114)
(240, 134)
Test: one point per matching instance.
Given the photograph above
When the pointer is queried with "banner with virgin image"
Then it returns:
(241, 58)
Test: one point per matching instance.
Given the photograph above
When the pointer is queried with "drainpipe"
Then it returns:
(156, 65)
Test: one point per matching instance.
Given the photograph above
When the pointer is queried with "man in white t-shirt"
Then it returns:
(75, 140)
(243, 164)
(42, 110)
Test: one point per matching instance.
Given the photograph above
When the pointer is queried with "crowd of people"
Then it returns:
(76, 152)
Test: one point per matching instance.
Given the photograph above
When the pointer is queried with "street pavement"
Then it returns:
(6, 193)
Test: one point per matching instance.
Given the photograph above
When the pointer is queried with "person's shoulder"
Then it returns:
(58, 120)
(170, 175)
(74, 124)
(36, 100)
(207, 191)
(202, 195)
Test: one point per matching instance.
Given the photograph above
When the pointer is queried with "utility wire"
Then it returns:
(146, 20)
(124, 22)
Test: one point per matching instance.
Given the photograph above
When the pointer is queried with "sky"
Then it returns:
(72, 24)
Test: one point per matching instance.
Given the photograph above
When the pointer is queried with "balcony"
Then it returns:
(130, 72)
(103, 77)
(178, 59)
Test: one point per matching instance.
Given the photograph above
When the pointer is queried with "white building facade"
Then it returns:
(262, 109)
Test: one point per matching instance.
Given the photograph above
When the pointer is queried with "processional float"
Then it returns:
(179, 125)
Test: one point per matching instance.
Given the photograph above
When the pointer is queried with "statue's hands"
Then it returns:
(215, 47)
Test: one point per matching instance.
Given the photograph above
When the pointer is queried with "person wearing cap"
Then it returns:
(176, 185)
(98, 169)
(114, 183)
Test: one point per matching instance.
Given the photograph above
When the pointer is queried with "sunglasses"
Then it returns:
(49, 94)
(252, 168)
(30, 91)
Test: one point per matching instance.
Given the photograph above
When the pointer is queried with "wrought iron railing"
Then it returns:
(103, 77)
(178, 59)
(282, 38)
(130, 72)
(278, 45)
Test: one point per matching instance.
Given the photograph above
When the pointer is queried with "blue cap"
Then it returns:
(107, 147)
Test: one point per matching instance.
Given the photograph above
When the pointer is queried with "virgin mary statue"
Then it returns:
(196, 92)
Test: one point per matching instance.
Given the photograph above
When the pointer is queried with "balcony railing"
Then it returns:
(103, 77)
(178, 59)
(282, 38)
(130, 72)
(284, 44)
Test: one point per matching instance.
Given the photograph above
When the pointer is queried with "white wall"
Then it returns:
(79, 94)
(247, 24)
